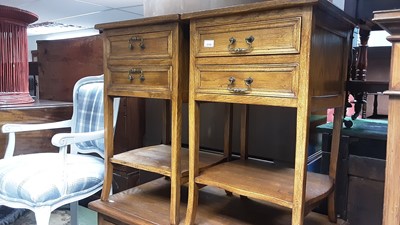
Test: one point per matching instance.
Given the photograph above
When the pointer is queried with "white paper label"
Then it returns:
(208, 43)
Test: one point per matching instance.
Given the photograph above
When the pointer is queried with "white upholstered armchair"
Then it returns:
(42, 182)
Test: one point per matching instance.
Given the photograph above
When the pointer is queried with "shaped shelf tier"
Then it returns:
(265, 181)
(157, 159)
(149, 204)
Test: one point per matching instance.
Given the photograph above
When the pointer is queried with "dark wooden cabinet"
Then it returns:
(63, 62)
(361, 170)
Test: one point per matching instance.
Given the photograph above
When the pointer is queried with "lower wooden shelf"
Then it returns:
(157, 159)
(149, 204)
(264, 181)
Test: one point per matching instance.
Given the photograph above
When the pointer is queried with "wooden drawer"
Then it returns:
(137, 44)
(267, 79)
(276, 36)
(145, 78)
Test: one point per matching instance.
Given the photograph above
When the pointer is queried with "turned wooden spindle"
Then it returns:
(360, 98)
(362, 61)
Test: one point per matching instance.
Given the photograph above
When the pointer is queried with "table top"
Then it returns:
(362, 128)
(38, 103)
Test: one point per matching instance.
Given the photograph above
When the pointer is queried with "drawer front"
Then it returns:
(252, 79)
(136, 45)
(279, 36)
(143, 78)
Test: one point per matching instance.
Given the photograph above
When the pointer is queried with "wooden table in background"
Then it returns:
(41, 111)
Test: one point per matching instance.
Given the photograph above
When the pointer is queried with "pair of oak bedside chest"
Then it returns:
(286, 53)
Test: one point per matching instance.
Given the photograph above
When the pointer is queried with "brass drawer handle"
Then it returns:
(132, 72)
(135, 39)
(249, 41)
(247, 81)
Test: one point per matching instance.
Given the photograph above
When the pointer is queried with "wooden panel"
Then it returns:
(363, 207)
(327, 72)
(368, 168)
(129, 129)
(63, 62)
(124, 178)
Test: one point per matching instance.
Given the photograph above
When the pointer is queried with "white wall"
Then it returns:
(164, 7)
(339, 3)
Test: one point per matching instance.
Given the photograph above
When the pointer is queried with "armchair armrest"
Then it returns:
(13, 128)
(64, 139)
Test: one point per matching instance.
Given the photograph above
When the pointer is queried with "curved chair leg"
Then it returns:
(73, 206)
(42, 215)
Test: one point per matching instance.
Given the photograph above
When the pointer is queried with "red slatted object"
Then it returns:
(14, 83)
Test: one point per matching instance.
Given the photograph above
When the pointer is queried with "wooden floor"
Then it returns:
(149, 203)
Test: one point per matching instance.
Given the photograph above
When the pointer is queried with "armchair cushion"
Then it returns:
(47, 178)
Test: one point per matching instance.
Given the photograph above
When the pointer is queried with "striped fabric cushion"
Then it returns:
(90, 114)
(45, 179)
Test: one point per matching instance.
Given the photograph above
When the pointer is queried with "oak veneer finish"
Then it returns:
(156, 50)
(390, 21)
(298, 59)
